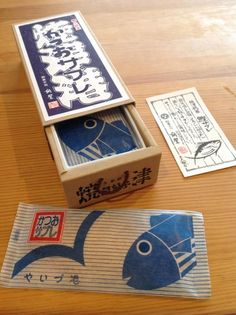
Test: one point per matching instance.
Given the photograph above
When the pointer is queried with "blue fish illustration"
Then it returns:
(94, 138)
(162, 255)
(75, 253)
(206, 149)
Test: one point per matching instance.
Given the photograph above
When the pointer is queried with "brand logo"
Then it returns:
(47, 226)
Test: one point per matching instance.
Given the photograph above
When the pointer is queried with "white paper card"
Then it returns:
(194, 137)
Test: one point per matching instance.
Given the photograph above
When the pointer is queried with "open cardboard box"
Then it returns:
(71, 76)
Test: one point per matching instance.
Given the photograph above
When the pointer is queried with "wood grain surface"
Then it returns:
(158, 47)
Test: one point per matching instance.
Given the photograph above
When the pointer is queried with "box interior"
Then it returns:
(138, 128)
(97, 136)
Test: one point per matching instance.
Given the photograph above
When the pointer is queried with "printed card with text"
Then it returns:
(66, 66)
(194, 137)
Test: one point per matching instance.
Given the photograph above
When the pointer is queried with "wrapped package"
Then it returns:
(152, 252)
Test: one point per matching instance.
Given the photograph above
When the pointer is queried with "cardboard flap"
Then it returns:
(69, 73)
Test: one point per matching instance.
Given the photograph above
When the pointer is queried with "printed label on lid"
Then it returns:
(68, 69)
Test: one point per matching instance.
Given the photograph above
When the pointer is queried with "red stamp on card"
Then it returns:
(47, 226)
(53, 104)
(183, 150)
(76, 24)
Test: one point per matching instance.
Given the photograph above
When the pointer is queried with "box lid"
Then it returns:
(69, 73)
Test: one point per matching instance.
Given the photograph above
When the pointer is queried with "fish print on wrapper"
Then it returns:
(154, 252)
(159, 257)
(162, 255)
(95, 136)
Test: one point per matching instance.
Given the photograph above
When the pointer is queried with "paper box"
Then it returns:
(77, 91)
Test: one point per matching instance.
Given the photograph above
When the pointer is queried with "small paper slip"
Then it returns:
(194, 137)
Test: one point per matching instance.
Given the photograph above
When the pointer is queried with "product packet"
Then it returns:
(151, 252)
(96, 136)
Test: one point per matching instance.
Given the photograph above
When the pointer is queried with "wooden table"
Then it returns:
(157, 47)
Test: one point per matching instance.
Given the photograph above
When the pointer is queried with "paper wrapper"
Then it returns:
(152, 252)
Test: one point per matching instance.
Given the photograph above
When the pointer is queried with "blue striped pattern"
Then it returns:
(92, 151)
(105, 248)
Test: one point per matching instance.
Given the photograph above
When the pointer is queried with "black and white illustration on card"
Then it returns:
(195, 139)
